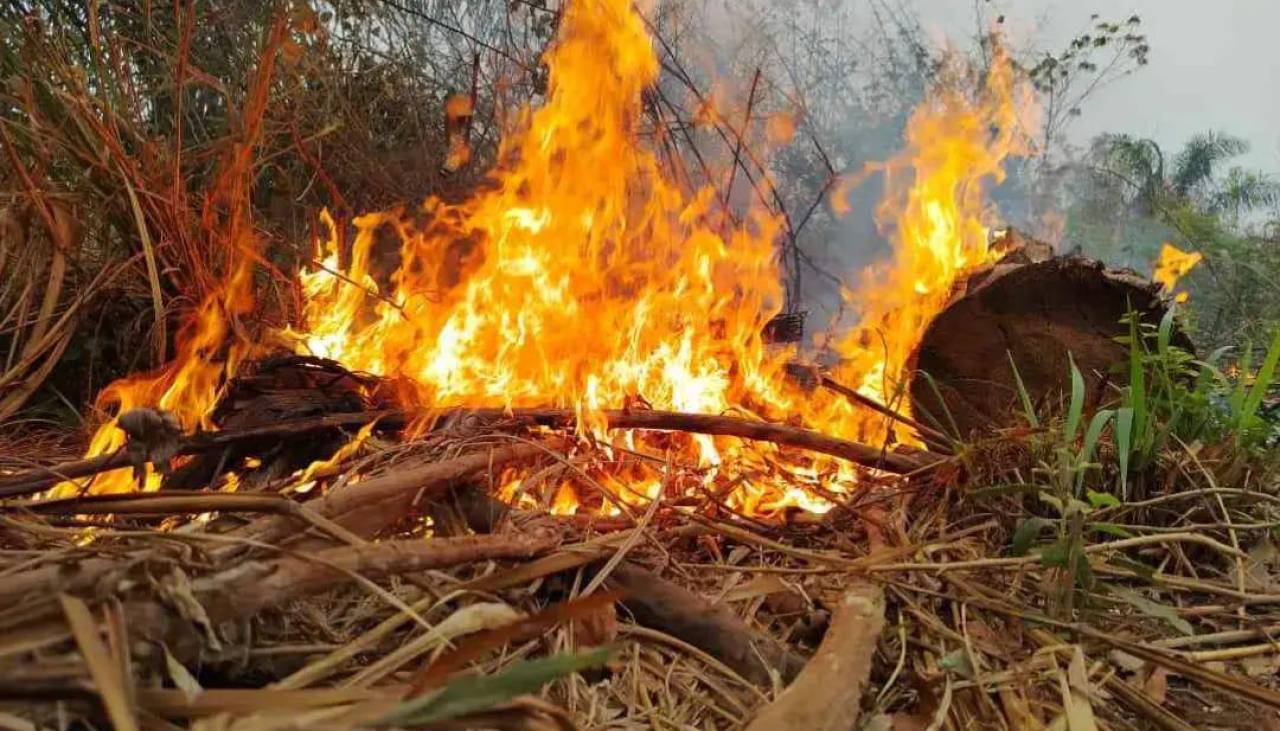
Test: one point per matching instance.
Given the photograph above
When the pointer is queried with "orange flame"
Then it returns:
(934, 207)
(582, 275)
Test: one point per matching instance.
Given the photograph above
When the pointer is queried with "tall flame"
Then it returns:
(935, 210)
(583, 276)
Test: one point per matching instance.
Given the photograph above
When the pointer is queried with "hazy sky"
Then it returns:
(1215, 64)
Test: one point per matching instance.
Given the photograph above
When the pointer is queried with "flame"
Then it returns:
(188, 387)
(1173, 264)
(582, 275)
(934, 208)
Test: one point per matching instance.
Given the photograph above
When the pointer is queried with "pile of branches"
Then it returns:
(386, 586)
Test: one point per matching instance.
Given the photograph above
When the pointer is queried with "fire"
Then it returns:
(934, 209)
(584, 276)
(1173, 264)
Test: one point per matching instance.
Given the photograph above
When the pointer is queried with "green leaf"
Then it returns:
(958, 662)
(1055, 501)
(1110, 529)
(1150, 608)
(1025, 534)
(1124, 444)
(1103, 499)
(1076, 410)
(1262, 380)
(1028, 409)
(472, 693)
(1054, 554)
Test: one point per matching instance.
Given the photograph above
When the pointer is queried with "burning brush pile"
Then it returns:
(552, 456)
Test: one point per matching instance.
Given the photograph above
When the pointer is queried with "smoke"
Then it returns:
(851, 71)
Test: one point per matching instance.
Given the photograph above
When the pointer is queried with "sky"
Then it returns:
(1214, 65)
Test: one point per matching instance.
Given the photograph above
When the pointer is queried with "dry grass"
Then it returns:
(1176, 633)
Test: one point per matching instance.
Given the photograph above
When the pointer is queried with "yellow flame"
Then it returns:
(1174, 264)
(584, 276)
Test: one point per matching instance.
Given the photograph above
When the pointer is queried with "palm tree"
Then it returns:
(1191, 177)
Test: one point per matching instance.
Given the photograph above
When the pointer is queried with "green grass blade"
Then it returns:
(1076, 410)
(1028, 409)
(1261, 382)
(1124, 444)
(937, 393)
(473, 693)
(1091, 437)
(1165, 333)
(1137, 379)
(1094, 432)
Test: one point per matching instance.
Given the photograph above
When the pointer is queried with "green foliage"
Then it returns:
(473, 693)
(1128, 195)
(1172, 395)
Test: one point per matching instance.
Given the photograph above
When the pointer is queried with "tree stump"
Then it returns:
(1037, 312)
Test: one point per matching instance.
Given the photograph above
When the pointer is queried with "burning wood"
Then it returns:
(580, 385)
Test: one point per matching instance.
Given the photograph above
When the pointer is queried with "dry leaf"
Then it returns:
(597, 627)
(1156, 685)
(763, 585)
(1075, 694)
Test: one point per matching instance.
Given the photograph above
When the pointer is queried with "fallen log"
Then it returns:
(827, 695)
(1037, 313)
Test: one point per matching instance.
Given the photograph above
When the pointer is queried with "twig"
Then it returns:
(1009, 562)
(935, 438)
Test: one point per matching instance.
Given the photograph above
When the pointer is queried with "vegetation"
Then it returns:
(1129, 195)
(150, 147)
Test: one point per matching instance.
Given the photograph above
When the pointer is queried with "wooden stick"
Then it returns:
(36, 480)
(827, 695)
(936, 439)
(732, 426)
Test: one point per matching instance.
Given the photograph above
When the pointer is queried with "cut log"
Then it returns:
(827, 695)
(1038, 313)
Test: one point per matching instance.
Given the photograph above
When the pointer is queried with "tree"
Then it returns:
(1131, 195)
